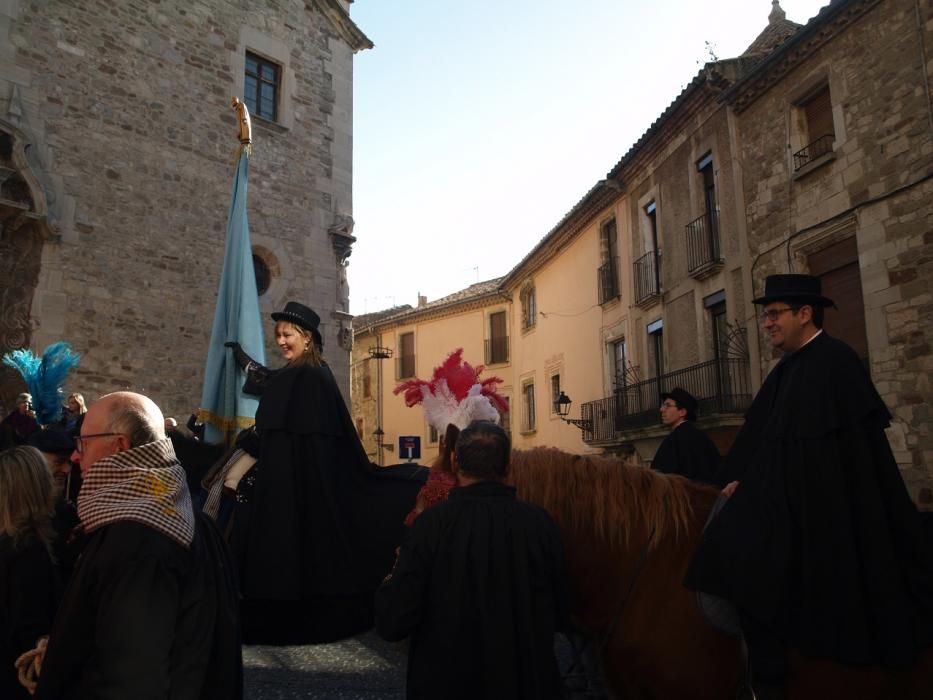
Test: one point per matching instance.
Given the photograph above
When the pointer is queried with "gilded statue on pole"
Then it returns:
(244, 124)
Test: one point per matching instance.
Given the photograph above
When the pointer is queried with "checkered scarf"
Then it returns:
(145, 484)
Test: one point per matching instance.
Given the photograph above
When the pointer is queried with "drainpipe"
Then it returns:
(923, 63)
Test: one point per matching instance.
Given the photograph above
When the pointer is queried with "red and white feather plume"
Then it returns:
(455, 394)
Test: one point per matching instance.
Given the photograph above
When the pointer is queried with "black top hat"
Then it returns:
(52, 441)
(301, 315)
(805, 289)
(684, 400)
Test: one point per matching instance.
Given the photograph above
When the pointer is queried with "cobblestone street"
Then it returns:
(361, 668)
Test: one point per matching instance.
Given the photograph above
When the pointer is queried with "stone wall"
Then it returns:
(671, 178)
(127, 109)
(365, 409)
(875, 186)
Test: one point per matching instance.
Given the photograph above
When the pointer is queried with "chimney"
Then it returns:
(422, 300)
(777, 12)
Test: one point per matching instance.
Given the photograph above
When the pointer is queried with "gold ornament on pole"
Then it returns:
(244, 124)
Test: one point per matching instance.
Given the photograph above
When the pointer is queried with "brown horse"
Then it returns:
(629, 534)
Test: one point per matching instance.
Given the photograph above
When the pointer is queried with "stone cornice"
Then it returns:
(600, 196)
(831, 21)
(457, 306)
(340, 20)
(669, 129)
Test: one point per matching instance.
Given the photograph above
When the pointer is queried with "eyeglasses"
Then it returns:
(775, 314)
(79, 440)
(668, 404)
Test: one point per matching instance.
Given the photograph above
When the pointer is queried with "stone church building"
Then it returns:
(117, 143)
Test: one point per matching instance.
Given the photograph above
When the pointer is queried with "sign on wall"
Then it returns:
(409, 447)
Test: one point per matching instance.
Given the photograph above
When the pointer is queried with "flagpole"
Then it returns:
(225, 409)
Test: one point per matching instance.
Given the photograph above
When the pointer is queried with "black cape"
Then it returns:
(322, 523)
(688, 451)
(144, 617)
(480, 587)
(821, 544)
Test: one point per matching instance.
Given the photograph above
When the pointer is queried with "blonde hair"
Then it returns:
(79, 399)
(27, 495)
(312, 354)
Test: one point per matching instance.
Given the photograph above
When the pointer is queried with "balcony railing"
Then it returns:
(608, 278)
(647, 276)
(720, 387)
(404, 366)
(703, 243)
(812, 151)
(497, 350)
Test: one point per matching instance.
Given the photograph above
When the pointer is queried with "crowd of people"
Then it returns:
(126, 572)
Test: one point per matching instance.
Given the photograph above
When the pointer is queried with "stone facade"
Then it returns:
(682, 207)
(873, 186)
(123, 112)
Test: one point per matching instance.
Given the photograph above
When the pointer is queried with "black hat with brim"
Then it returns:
(803, 289)
(302, 316)
(684, 399)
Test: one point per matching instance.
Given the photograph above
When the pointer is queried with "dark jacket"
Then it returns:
(480, 588)
(821, 544)
(688, 451)
(27, 605)
(146, 618)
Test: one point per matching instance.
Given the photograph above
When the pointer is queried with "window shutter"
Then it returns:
(819, 113)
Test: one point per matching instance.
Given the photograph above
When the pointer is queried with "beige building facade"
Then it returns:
(116, 159)
(810, 152)
(393, 347)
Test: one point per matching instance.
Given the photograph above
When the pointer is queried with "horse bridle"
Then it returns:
(626, 594)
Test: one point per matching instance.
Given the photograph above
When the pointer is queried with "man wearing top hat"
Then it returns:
(687, 450)
(819, 544)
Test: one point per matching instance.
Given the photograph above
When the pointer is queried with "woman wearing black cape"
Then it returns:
(316, 524)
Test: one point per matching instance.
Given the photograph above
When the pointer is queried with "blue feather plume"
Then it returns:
(45, 377)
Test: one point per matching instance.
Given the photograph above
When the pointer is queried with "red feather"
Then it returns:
(460, 377)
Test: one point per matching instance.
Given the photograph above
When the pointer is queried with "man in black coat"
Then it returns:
(479, 586)
(151, 609)
(687, 451)
(819, 545)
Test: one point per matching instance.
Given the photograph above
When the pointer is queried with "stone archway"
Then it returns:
(23, 231)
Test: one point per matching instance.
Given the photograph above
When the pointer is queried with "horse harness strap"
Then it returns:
(626, 594)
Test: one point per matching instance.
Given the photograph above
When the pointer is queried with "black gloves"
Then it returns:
(242, 359)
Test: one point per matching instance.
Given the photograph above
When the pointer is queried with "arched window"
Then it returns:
(263, 274)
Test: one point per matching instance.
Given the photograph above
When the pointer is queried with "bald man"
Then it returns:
(150, 611)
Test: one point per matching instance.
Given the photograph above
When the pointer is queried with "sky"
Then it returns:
(478, 124)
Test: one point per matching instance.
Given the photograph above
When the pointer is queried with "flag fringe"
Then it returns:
(224, 423)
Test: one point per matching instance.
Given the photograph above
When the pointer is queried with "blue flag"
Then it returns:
(225, 409)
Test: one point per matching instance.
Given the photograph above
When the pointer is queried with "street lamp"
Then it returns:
(379, 433)
(562, 408)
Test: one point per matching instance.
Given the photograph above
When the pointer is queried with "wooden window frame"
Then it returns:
(253, 97)
(529, 409)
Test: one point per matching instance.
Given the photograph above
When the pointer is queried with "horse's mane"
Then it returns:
(603, 495)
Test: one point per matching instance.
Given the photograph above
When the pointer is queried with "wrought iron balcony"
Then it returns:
(703, 250)
(497, 350)
(647, 276)
(812, 151)
(608, 279)
(720, 386)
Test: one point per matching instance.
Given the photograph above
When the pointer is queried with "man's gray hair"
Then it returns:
(137, 417)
